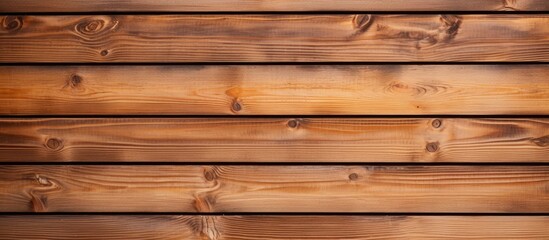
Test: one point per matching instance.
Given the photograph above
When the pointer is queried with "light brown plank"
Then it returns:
(274, 38)
(274, 140)
(269, 5)
(275, 89)
(110, 188)
(148, 227)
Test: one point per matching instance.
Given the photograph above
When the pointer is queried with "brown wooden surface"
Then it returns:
(149, 227)
(274, 38)
(266, 5)
(274, 140)
(269, 5)
(150, 188)
(275, 89)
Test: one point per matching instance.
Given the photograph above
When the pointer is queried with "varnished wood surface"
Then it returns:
(274, 38)
(274, 140)
(162, 227)
(236, 188)
(275, 89)
(269, 5)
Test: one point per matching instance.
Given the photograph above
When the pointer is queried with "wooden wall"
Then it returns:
(264, 119)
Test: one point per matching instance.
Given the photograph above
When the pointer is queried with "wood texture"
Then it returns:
(274, 140)
(63, 227)
(269, 5)
(478, 189)
(275, 89)
(274, 38)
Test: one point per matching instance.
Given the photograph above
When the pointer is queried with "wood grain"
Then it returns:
(269, 5)
(111, 188)
(275, 89)
(274, 38)
(147, 227)
(274, 140)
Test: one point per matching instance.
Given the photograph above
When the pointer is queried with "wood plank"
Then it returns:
(275, 38)
(147, 227)
(233, 188)
(274, 140)
(275, 89)
(266, 5)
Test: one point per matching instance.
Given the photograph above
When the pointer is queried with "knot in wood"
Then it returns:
(209, 175)
(362, 21)
(90, 26)
(54, 144)
(353, 176)
(94, 26)
(451, 25)
(12, 23)
(293, 123)
(75, 81)
(236, 106)
(436, 123)
(104, 53)
(42, 180)
(542, 141)
(432, 147)
(509, 5)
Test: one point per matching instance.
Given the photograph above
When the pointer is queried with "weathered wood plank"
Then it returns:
(275, 89)
(65, 227)
(269, 5)
(274, 38)
(479, 189)
(274, 140)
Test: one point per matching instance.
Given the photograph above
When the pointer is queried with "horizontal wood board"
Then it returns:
(343, 189)
(152, 227)
(275, 90)
(274, 38)
(269, 5)
(420, 140)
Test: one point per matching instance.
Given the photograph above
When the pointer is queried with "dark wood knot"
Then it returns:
(90, 26)
(236, 106)
(432, 147)
(54, 144)
(293, 123)
(95, 27)
(75, 81)
(353, 176)
(104, 53)
(12, 23)
(209, 175)
(451, 25)
(541, 141)
(362, 21)
(436, 123)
